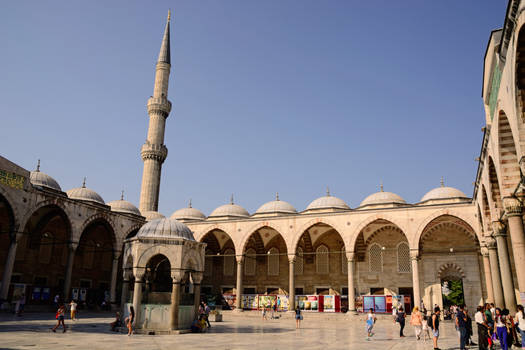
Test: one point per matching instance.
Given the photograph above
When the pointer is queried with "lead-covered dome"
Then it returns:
(327, 203)
(229, 211)
(274, 208)
(123, 206)
(382, 199)
(165, 228)
(188, 214)
(40, 179)
(152, 215)
(85, 194)
(444, 194)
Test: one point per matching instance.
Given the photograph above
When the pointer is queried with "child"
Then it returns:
(370, 320)
(425, 328)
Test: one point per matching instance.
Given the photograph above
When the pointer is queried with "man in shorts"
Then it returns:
(435, 326)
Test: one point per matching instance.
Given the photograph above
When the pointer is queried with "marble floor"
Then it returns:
(91, 331)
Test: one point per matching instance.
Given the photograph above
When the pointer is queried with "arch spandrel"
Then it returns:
(101, 218)
(254, 228)
(192, 261)
(199, 237)
(162, 249)
(68, 215)
(305, 226)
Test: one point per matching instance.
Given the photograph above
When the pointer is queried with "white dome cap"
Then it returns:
(230, 210)
(327, 202)
(152, 215)
(85, 194)
(275, 207)
(188, 213)
(40, 179)
(165, 228)
(122, 206)
(444, 194)
(382, 198)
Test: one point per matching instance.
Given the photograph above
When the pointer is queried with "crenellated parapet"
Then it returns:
(159, 105)
(153, 151)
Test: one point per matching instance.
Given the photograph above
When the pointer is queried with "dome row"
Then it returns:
(381, 199)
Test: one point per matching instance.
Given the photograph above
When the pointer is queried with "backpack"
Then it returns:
(429, 322)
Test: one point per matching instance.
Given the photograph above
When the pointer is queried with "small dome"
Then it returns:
(229, 210)
(188, 213)
(40, 179)
(122, 206)
(152, 215)
(327, 202)
(276, 207)
(85, 194)
(382, 198)
(165, 228)
(444, 194)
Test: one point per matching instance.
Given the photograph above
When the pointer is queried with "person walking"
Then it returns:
(73, 310)
(207, 314)
(416, 320)
(501, 329)
(426, 327)
(434, 323)
(370, 321)
(60, 318)
(461, 324)
(298, 317)
(22, 304)
(483, 329)
(400, 318)
(520, 323)
(129, 320)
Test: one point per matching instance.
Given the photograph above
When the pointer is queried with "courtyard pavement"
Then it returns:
(91, 331)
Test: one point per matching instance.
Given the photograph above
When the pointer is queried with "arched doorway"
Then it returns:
(383, 267)
(451, 279)
(41, 256)
(219, 278)
(93, 263)
(158, 283)
(449, 241)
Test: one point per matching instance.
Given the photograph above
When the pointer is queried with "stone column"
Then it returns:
(113, 286)
(291, 284)
(487, 273)
(351, 287)
(125, 288)
(494, 271)
(138, 272)
(8, 267)
(72, 248)
(504, 264)
(238, 299)
(196, 278)
(513, 211)
(416, 287)
(176, 277)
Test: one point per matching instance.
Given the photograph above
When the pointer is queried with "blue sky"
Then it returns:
(287, 96)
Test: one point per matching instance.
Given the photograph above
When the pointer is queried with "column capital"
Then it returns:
(177, 276)
(490, 242)
(484, 250)
(116, 254)
(139, 273)
(127, 273)
(72, 245)
(414, 254)
(512, 206)
(350, 256)
(292, 258)
(196, 277)
(499, 228)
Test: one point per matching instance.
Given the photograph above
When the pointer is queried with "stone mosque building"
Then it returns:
(327, 252)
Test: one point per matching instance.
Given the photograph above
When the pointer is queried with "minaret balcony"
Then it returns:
(159, 105)
(154, 151)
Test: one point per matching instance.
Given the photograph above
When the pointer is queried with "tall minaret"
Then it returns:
(154, 152)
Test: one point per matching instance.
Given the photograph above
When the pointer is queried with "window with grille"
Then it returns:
(273, 262)
(299, 261)
(250, 262)
(208, 264)
(229, 262)
(375, 258)
(403, 257)
(344, 261)
(321, 259)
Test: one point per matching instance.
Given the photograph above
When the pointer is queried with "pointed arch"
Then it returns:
(446, 232)
(467, 222)
(370, 220)
(305, 226)
(494, 186)
(256, 227)
(509, 166)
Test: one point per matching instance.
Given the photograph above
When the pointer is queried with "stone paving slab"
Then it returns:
(32, 331)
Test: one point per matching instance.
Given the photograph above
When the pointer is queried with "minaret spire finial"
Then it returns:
(381, 186)
(277, 196)
(169, 15)
(189, 204)
(84, 183)
(327, 191)
(231, 199)
(122, 195)
(38, 166)
(164, 54)
(442, 182)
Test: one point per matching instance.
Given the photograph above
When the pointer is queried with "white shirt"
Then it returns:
(73, 306)
(370, 316)
(478, 317)
(499, 322)
(520, 320)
